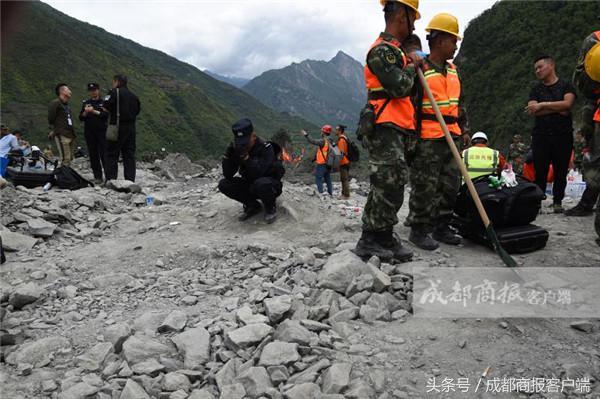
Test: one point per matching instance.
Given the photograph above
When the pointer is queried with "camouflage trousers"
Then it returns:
(388, 174)
(592, 171)
(435, 181)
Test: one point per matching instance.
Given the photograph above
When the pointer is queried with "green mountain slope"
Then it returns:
(497, 53)
(183, 109)
(323, 92)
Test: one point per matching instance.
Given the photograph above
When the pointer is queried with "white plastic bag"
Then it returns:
(509, 177)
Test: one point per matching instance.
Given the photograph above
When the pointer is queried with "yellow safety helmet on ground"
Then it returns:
(592, 63)
(414, 4)
(445, 23)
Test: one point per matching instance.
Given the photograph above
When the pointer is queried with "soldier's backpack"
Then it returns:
(353, 154)
(334, 156)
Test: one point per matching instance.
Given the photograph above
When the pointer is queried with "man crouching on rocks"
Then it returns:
(260, 172)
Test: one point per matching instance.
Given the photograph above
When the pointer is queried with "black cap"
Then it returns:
(92, 86)
(242, 130)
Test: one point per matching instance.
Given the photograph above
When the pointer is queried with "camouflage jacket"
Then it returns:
(516, 150)
(578, 147)
(586, 86)
(385, 61)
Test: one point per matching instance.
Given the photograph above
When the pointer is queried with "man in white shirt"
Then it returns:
(8, 143)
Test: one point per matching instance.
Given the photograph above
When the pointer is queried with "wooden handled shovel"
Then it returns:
(506, 258)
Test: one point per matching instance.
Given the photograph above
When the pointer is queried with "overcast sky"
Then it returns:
(247, 37)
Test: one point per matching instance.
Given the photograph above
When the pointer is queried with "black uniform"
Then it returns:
(129, 105)
(261, 175)
(95, 134)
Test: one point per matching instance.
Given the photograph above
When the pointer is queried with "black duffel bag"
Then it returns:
(66, 177)
(507, 207)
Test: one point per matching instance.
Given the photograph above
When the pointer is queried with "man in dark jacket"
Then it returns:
(129, 108)
(61, 123)
(95, 117)
(259, 168)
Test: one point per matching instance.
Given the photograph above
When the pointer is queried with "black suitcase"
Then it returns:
(29, 179)
(515, 239)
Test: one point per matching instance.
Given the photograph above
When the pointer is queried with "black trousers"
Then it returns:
(96, 145)
(125, 147)
(555, 150)
(589, 197)
(266, 189)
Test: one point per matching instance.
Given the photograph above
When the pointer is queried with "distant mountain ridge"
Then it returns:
(183, 109)
(232, 80)
(320, 91)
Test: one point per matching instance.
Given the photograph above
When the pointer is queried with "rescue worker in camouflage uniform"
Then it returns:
(585, 207)
(516, 154)
(389, 77)
(435, 176)
(578, 148)
(587, 80)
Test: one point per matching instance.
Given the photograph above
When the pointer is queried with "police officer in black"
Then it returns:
(129, 109)
(260, 169)
(95, 119)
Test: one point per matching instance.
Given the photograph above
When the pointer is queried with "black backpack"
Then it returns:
(67, 178)
(353, 154)
(508, 207)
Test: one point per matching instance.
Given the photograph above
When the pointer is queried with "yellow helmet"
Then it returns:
(414, 4)
(592, 63)
(444, 23)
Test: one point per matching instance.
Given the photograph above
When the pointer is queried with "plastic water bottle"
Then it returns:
(47, 187)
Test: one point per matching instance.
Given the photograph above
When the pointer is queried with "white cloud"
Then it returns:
(246, 37)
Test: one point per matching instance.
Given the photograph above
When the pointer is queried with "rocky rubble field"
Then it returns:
(105, 297)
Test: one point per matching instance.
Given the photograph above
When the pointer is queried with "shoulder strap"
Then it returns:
(321, 149)
(466, 157)
(118, 108)
(382, 108)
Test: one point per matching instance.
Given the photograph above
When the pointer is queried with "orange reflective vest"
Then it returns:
(322, 153)
(446, 91)
(399, 111)
(342, 144)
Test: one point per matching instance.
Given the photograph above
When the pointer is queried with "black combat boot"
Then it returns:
(443, 233)
(392, 242)
(250, 210)
(421, 238)
(580, 210)
(370, 244)
(270, 214)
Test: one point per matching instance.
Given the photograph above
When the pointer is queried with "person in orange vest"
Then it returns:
(389, 77)
(434, 174)
(342, 143)
(322, 171)
(587, 80)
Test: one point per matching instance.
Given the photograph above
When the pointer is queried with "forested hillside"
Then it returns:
(497, 53)
(183, 109)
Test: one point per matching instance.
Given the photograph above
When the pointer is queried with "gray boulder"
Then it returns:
(41, 228)
(194, 345)
(279, 353)
(339, 271)
(138, 348)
